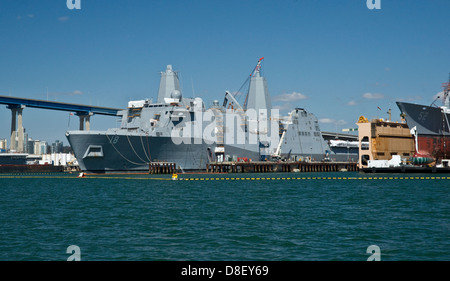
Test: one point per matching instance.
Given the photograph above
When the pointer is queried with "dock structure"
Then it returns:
(269, 167)
(385, 139)
(162, 168)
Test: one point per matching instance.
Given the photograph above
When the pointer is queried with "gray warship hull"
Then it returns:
(103, 152)
(431, 125)
(431, 121)
(100, 151)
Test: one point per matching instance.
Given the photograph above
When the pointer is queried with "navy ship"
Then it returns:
(430, 126)
(182, 130)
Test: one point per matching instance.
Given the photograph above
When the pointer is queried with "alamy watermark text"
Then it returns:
(73, 4)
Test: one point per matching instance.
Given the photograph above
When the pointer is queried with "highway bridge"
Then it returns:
(16, 105)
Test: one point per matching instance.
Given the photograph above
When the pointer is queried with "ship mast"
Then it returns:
(255, 73)
(446, 91)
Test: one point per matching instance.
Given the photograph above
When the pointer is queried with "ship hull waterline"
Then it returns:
(103, 152)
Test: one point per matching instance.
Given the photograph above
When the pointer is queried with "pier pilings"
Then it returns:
(162, 168)
(268, 167)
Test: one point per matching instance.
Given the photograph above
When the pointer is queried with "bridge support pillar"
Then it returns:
(16, 111)
(20, 130)
(81, 122)
(12, 145)
(85, 121)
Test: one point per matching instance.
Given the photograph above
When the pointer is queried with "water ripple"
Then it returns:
(123, 219)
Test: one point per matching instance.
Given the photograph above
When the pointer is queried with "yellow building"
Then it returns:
(380, 139)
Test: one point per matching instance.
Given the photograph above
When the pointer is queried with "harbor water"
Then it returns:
(272, 216)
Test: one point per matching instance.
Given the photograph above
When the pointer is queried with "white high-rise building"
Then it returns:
(3, 144)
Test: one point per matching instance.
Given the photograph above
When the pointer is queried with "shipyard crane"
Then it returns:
(446, 92)
(233, 103)
(277, 154)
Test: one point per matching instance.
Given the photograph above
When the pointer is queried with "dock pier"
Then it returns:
(162, 168)
(269, 167)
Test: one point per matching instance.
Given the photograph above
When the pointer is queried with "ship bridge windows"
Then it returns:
(302, 133)
(158, 105)
(134, 112)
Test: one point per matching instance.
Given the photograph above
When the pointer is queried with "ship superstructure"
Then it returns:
(183, 131)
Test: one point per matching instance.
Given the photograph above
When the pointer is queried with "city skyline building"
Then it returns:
(31, 146)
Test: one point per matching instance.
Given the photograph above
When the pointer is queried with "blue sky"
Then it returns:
(337, 59)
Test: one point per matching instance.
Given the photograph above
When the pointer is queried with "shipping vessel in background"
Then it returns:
(184, 131)
(430, 127)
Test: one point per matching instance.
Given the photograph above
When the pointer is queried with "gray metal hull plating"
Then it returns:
(104, 152)
(428, 120)
(110, 152)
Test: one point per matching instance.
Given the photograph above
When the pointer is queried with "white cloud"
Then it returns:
(73, 93)
(76, 92)
(332, 121)
(30, 16)
(294, 96)
(326, 120)
(63, 19)
(284, 106)
(373, 96)
(351, 103)
(341, 122)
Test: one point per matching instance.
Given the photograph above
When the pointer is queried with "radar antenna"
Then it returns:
(446, 91)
